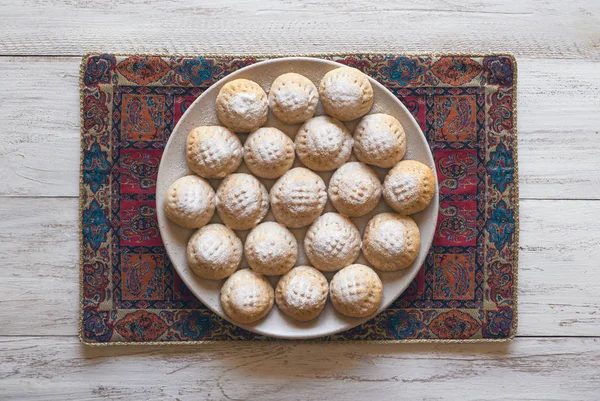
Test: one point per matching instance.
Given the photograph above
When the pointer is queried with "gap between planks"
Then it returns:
(42, 234)
(558, 121)
(526, 368)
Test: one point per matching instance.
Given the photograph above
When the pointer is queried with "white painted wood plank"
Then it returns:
(558, 280)
(558, 122)
(39, 141)
(526, 369)
(558, 268)
(539, 29)
(558, 113)
(39, 266)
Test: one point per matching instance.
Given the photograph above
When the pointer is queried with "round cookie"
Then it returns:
(242, 201)
(301, 294)
(346, 93)
(354, 189)
(379, 140)
(298, 197)
(356, 291)
(247, 296)
(323, 143)
(409, 187)
(391, 241)
(293, 98)
(213, 151)
(214, 252)
(332, 242)
(271, 249)
(190, 202)
(268, 152)
(242, 105)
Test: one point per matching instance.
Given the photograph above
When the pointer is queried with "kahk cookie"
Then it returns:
(301, 294)
(298, 198)
(190, 202)
(268, 152)
(247, 296)
(356, 291)
(332, 242)
(346, 93)
(391, 241)
(242, 201)
(379, 140)
(214, 252)
(409, 187)
(354, 189)
(323, 143)
(293, 98)
(271, 249)
(213, 151)
(242, 105)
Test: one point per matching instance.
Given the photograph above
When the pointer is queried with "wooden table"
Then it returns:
(557, 352)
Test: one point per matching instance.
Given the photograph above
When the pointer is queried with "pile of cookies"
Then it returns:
(298, 197)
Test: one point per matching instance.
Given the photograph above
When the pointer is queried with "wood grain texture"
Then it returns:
(558, 274)
(39, 110)
(558, 49)
(526, 369)
(533, 29)
(558, 121)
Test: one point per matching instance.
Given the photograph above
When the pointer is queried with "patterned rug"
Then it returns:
(466, 290)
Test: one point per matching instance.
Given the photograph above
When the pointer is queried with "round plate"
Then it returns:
(173, 166)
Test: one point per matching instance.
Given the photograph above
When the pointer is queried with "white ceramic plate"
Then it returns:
(173, 166)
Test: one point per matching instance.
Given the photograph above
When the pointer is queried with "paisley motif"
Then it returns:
(95, 167)
(404, 324)
(454, 276)
(138, 223)
(198, 71)
(501, 167)
(133, 278)
(500, 114)
(142, 276)
(192, 325)
(95, 114)
(141, 326)
(99, 69)
(454, 324)
(456, 71)
(142, 225)
(457, 223)
(462, 122)
(499, 70)
(455, 118)
(139, 169)
(143, 70)
(144, 118)
(96, 325)
(501, 226)
(498, 323)
(135, 118)
(500, 281)
(403, 70)
(95, 225)
(95, 282)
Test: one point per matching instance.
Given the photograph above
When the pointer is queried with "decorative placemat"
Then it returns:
(466, 290)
